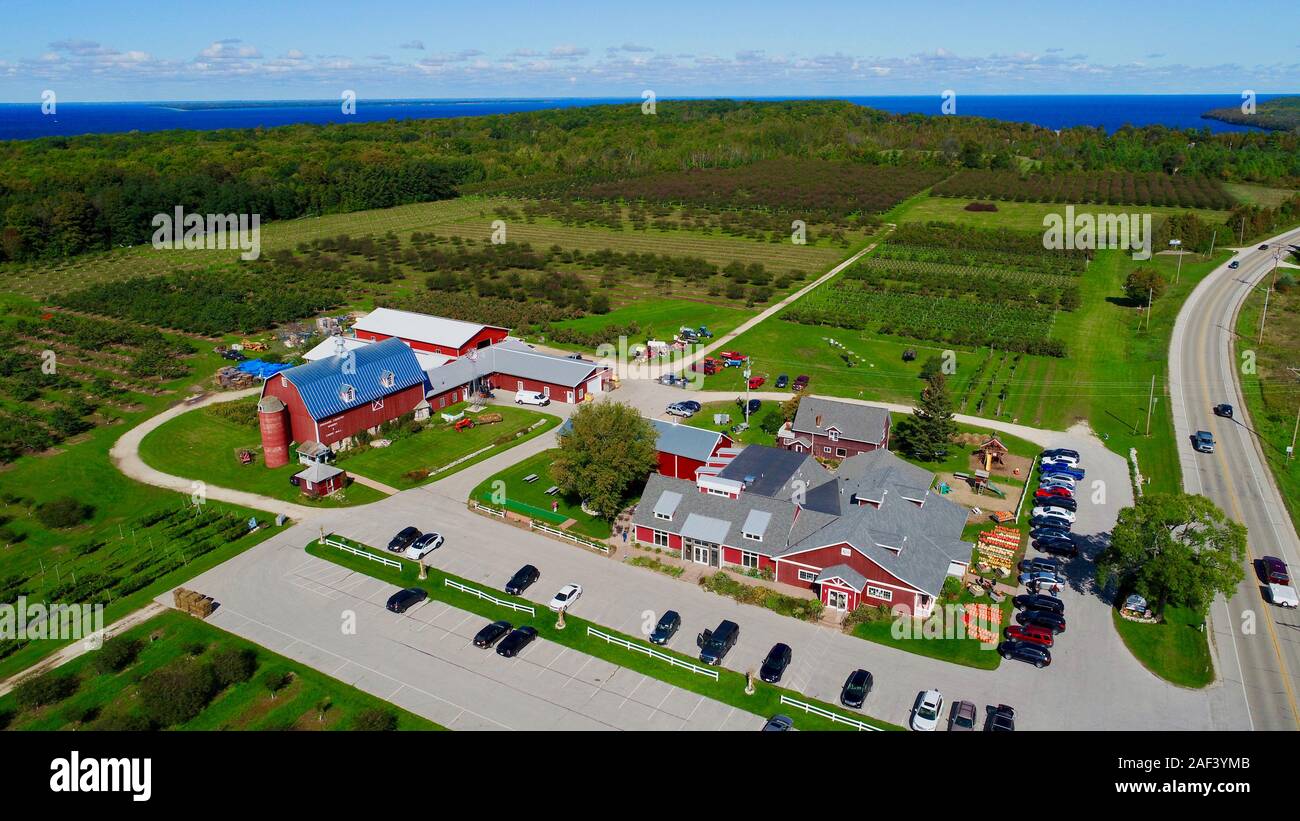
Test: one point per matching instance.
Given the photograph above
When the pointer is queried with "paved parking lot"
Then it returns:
(425, 660)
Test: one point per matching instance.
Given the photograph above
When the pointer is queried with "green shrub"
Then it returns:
(233, 665)
(374, 719)
(121, 723)
(117, 654)
(177, 693)
(47, 688)
(63, 512)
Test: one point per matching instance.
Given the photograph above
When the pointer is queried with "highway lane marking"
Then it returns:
(1231, 487)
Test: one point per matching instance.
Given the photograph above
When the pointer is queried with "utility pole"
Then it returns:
(1213, 237)
(1264, 314)
(1290, 452)
(1150, 298)
(749, 365)
(1151, 402)
(1242, 241)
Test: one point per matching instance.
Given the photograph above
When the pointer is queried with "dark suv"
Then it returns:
(403, 539)
(1037, 601)
(522, 579)
(714, 644)
(1035, 654)
(669, 623)
(778, 658)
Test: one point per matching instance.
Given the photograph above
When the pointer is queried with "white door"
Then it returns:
(568, 397)
(519, 385)
(546, 391)
(837, 600)
(701, 554)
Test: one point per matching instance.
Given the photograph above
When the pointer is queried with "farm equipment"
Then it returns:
(704, 332)
(734, 360)
(487, 418)
(249, 345)
(707, 366)
(464, 424)
(245, 456)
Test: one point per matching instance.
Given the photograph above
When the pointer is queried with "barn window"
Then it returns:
(387, 379)
(749, 560)
(807, 576)
(841, 452)
(661, 538)
(880, 593)
(284, 381)
(844, 551)
(347, 393)
(833, 434)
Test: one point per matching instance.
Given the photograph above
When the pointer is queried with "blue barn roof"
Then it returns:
(323, 384)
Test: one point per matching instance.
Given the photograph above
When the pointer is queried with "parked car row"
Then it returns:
(1055, 505)
(687, 408)
(414, 544)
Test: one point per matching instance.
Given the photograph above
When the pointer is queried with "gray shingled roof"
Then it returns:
(685, 440)
(843, 571)
(916, 543)
(861, 423)
(774, 471)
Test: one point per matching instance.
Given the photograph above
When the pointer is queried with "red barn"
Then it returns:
(684, 449)
(434, 334)
(330, 400)
(872, 533)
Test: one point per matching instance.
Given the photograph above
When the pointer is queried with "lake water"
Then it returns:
(25, 120)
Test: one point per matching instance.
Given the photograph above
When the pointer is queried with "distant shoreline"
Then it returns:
(1277, 114)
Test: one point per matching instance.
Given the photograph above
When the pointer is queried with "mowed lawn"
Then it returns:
(173, 636)
(530, 498)
(203, 447)
(657, 319)
(1176, 649)
(440, 444)
(754, 435)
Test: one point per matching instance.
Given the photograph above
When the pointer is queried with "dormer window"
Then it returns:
(347, 393)
(833, 435)
(754, 537)
(387, 379)
(667, 517)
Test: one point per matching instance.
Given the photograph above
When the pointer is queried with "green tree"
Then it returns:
(609, 448)
(929, 430)
(1144, 285)
(1174, 549)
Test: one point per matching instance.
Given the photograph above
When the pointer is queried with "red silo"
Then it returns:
(272, 419)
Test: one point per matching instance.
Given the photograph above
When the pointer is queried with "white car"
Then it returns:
(1061, 460)
(566, 597)
(423, 546)
(531, 398)
(1060, 513)
(925, 718)
(1283, 596)
(1058, 481)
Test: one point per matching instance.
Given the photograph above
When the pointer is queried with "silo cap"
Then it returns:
(270, 404)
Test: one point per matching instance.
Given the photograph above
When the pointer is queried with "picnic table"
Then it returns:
(552, 490)
(530, 478)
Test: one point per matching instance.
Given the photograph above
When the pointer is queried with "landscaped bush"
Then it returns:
(117, 654)
(63, 512)
(178, 692)
(116, 722)
(867, 614)
(374, 719)
(800, 608)
(46, 688)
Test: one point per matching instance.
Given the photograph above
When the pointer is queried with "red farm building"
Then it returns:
(431, 334)
(871, 533)
(331, 400)
(833, 429)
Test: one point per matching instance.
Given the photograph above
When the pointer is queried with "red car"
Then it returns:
(756, 381)
(1034, 635)
(1275, 571)
(1049, 492)
(800, 382)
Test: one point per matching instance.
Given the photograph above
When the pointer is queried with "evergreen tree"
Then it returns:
(930, 429)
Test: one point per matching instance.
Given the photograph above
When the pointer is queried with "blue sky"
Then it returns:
(238, 49)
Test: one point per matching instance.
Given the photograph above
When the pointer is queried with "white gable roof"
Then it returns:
(434, 330)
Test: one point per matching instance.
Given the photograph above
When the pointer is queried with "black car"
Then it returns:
(1042, 618)
(778, 658)
(1057, 547)
(523, 578)
(1053, 522)
(782, 380)
(1028, 652)
(403, 539)
(667, 627)
(1223, 410)
(1040, 565)
(1049, 533)
(778, 724)
(513, 644)
(1055, 452)
(691, 405)
(1062, 502)
(402, 599)
(1037, 601)
(856, 688)
(489, 635)
(1002, 719)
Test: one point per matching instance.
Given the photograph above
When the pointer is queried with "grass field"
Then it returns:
(201, 446)
(1261, 195)
(1272, 393)
(441, 444)
(729, 688)
(530, 499)
(1176, 650)
(171, 637)
(1105, 380)
(1028, 216)
(754, 435)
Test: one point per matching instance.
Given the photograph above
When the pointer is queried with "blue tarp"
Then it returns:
(258, 368)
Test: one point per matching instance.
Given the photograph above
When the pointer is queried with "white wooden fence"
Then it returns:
(578, 540)
(836, 717)
(365, 554)
(500, 514)
(652, 653)
(474, 591)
